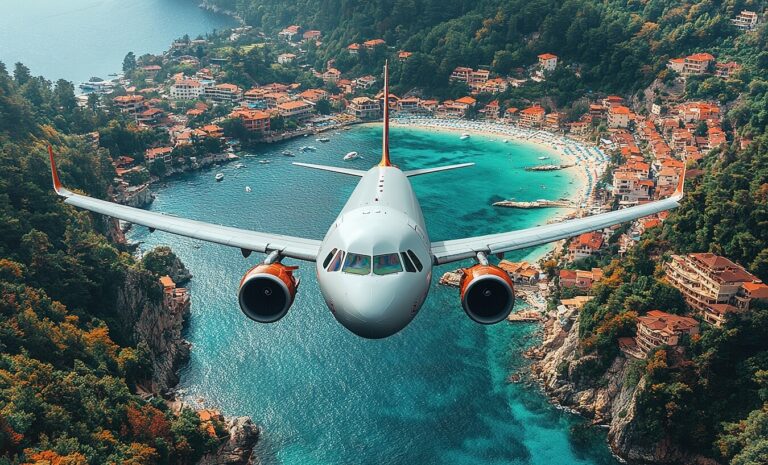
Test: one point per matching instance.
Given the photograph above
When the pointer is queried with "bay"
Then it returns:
(436, 392)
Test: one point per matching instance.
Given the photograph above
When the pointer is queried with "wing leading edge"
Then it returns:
(288, 246)
(460, 249)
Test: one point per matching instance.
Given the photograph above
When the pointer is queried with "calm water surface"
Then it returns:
(77, 39)
(434, 393)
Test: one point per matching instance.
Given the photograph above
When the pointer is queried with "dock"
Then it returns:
(526, 316)
(549, 167)
(535, 204)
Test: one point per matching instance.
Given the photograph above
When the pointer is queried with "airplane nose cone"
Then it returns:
(374, 312)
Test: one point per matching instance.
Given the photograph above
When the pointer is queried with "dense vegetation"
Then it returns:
(712, 401)
(65, 383)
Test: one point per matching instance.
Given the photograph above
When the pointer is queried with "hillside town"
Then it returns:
(652, 149)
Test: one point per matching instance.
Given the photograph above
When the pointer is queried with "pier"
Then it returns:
(535, 204)
(549, 167)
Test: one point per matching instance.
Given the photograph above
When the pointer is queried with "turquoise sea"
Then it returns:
(77, 39)
(435, 393)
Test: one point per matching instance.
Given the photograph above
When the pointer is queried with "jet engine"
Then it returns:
(267, 291)
(487, 293)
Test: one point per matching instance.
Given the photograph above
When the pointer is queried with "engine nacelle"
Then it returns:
(267, 291)
(487, 293)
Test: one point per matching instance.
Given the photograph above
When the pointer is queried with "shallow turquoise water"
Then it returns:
(77, 39)
(435, 392)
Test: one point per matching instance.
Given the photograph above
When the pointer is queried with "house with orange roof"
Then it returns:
(161, 153)
(285, 58)
(697, 64)
(618, 116)
(466, 102)
(289, 33)
(580, 279)
(746, 20)
(130, 104)
(532, 117)
(656, 329)
(332, 75)
(364, 108)
(253, 120)
(312, 34)
(296, 109)
(726, 70)
(706, 279)
(353, 49)
(511, 115)
(547, 62)
(521, 272)
(585, 245)
(491, 111)
(373, 43)
(213, 130)
(402, 55)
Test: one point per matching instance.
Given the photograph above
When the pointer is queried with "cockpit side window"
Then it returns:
(329, 257)
(386, 264)
(408, 264)
(415, 259)
(357, 264)
(337, 261)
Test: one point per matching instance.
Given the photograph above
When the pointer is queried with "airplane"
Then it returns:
(374, 265)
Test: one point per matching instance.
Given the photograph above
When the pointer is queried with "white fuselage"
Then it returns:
(375, 265)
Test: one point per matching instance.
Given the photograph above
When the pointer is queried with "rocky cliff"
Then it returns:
(610, 400)
(238, 449)
(143, 313)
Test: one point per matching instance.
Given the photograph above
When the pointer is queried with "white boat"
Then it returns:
(543, 158)
(219, 177)
(506, 141)
(464, 136)
(288, 153)
(350, 156)
(239, 165)
(307, 148)
(323, 139)
(263, 162)
(247, 188)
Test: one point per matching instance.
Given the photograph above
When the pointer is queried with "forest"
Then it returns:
(67, 370)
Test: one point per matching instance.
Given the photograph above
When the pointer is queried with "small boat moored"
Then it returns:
(247, 188)
(323, 139)
(219, 177)
(351, 156)
(464, 136)
(288, 153)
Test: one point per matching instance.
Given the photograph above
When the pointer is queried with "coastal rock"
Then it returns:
(162, 261)
(607, 401)
(238, 449)
(142, 312)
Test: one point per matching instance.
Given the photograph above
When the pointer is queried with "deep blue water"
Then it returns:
(77, 39)
(435, 392)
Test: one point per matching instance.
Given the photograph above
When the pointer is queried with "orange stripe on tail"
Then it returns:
(54, 171)
(385, 142)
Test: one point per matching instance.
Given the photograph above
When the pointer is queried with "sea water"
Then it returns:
(438, 391)
(78, 39)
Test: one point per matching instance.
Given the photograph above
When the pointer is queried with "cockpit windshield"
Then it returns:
(386, 264)
(357, 264)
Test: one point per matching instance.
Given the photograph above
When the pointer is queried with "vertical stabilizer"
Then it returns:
(385, 136)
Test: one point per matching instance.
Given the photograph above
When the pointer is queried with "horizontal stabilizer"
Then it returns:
(333, 169)
(436, 170)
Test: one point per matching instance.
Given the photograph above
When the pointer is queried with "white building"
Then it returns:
(547, 62)
(223, 93)
(186, 89)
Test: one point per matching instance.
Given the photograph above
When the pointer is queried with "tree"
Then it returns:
(323, 107)
(129, 63)
(21, 74)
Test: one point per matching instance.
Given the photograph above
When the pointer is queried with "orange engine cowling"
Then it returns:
(487, 293)
(267, 291)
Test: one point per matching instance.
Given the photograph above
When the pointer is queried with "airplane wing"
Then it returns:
(247, 241)
(460, 249)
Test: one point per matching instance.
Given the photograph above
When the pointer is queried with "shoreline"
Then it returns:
(589, 161)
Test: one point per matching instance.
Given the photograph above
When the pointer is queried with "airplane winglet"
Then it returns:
(55, 173)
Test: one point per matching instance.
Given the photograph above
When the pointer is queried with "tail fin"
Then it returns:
(385, 142)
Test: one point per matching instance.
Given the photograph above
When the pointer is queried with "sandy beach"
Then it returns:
(590, 162)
